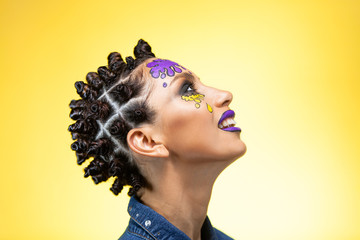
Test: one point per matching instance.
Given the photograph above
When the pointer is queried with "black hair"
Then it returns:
(111, 104)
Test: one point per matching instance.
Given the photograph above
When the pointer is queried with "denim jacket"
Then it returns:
(146, 224)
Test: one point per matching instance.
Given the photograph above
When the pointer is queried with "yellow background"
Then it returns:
(292, 66)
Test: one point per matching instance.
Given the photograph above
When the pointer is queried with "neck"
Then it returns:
(181, 193)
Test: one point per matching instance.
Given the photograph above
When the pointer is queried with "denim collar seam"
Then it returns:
(138, 235)
(143, 227)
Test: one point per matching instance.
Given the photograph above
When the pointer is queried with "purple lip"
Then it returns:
(229, 114)
(232, 129)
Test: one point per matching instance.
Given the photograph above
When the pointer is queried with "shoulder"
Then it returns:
(221, 236)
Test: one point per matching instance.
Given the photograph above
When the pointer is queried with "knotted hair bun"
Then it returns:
(142, 50)
(116, 63)
(94, 80)
(97, 169)
(79, 146)
(119, 129)
(96, 109)
(117, 166)
(139, 113)
(130, 61)
(136, 183)
(106, 75)
(77, 113)
(86, 126)
(124, 92)
(100, 110)
(77, 104)
(118, 186)
(85, 91)
(104, 115)
(101, 147)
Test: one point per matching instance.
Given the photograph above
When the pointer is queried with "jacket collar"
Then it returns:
(160, 228)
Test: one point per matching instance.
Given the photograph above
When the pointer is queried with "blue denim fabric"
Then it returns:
(147, 224)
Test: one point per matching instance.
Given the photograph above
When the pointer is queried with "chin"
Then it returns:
(237, 152)
(243, 149)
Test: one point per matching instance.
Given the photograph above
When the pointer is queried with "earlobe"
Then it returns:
(142, 143)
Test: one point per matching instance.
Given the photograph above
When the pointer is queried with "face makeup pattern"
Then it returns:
(209, 108)
(197, 99)
(162, 67)
(194, 97)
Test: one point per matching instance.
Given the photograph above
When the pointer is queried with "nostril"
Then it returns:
(224, 98)
(226, 103)
(221, 98)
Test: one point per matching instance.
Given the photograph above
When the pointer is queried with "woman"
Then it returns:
(151, 124)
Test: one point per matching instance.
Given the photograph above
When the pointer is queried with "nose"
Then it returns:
(223, 98)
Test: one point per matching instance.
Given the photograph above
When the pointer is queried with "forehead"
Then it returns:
(162, 68)
(159, 74)
(158, 68)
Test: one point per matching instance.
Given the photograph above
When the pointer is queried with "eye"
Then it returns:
(190, 88)
(187, 88)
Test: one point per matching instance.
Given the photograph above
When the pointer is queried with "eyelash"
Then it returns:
(185, 87)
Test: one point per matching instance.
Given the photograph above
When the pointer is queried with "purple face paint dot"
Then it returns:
(164, 84)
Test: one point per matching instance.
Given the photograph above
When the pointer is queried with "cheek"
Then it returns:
(179, 122)
(188, 131)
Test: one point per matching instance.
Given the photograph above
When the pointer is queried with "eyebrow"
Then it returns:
(183, 75)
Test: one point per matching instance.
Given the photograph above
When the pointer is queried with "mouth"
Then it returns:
(227, 122)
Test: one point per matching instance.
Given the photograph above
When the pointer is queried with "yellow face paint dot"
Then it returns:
(194, 97)
(209, 108)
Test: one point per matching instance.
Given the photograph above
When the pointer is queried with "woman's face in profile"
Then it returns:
(192, 120)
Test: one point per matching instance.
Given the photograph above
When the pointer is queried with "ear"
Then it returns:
(140, 141)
